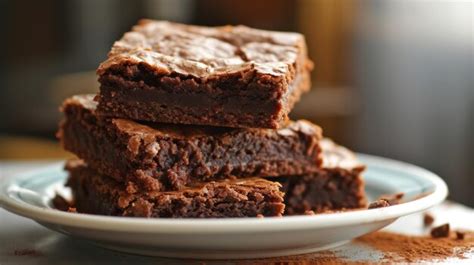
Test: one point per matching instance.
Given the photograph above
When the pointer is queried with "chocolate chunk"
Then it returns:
(440, 231)
(428, 219)
(60, 203)
(460, 235)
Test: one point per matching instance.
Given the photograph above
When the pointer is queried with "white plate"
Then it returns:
(29, 195)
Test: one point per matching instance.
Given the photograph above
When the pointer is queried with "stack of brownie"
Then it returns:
(193, 122)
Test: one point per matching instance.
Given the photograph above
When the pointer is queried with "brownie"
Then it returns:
(95, 193)
(338, 185)
(167, 157)
(231, 76)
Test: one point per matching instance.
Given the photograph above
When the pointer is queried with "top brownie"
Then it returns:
(231, 76)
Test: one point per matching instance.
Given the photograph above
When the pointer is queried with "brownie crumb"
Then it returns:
(460, 235)
(379, 204)
(387, 200)
(60, 203)
(260, 215)
(72, 210)
(310, 212)
(428, 219)
(440, 231)
(392, 199)
(131, 187)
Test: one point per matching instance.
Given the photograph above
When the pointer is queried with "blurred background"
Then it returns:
(392, 78)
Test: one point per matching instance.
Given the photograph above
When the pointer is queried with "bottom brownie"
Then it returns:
(337, 186)
(97, 194)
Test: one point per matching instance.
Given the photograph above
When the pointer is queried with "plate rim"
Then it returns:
(227, 225)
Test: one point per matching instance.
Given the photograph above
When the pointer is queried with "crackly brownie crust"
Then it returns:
(168, 157)
(338, 185)
(221, 76)
(98, 194)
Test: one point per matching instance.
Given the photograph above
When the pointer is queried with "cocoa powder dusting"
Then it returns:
(403, 248)
(326, 257)
(394, 248)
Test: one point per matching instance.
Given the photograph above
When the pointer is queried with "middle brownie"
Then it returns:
(169, 157)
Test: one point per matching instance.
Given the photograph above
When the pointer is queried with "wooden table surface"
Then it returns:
(43, 246)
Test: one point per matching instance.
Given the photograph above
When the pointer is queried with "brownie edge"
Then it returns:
(338, 185)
